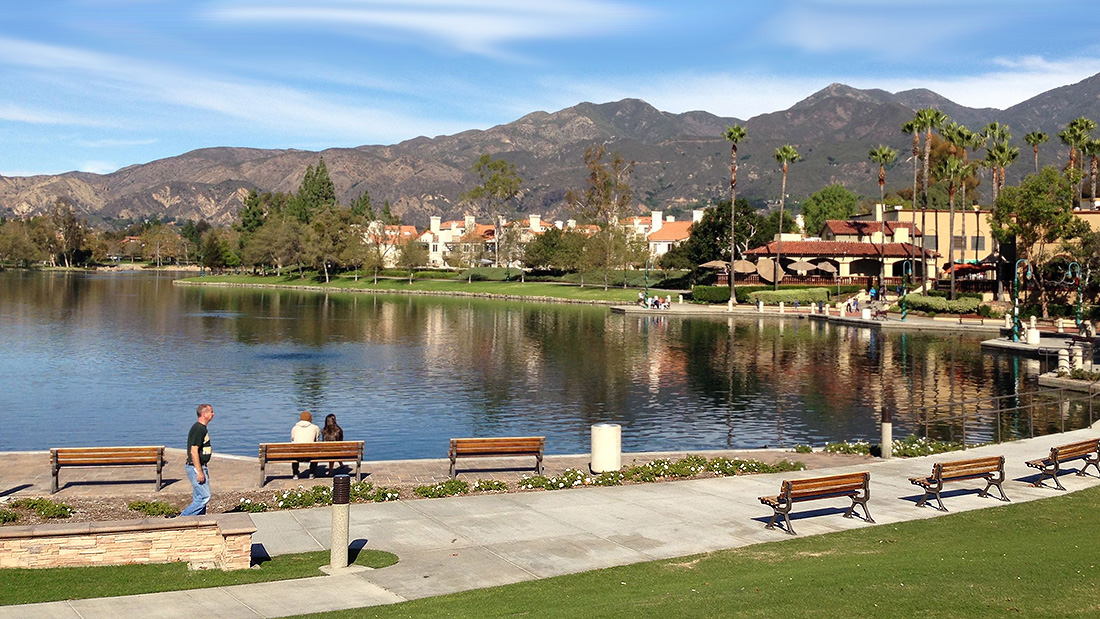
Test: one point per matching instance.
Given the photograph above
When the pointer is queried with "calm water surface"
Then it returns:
(116, 359)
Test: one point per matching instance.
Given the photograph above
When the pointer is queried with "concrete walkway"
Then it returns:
(457, 544)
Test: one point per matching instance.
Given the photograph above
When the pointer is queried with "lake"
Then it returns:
(124, 358)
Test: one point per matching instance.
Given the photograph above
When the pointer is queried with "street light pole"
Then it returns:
(1016, 298)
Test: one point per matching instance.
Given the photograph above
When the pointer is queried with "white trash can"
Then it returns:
(607, 447)
(865, 313)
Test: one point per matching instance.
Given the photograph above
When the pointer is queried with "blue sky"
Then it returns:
(96, 85)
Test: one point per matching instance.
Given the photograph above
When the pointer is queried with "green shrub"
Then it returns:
(302, 497)
(803, 449)
(803, 296)
(252, 507)
(153, 508)
(6, 516)
(489, 485)
(940, 305)
(913, 446)
(608, 478)
(986, 311)
(365, 492)
(1080, 374)
(532, 482)
(855, 447)
(45, 508)
(571, 478)
(450, 487)
(958, 295)
(710, 294)
(435, 275)
(728, 467)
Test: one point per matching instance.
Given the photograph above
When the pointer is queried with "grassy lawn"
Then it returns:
(1037, 559)
(530, 289)
(75, 583)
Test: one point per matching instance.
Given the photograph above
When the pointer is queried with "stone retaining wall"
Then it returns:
(204, 542)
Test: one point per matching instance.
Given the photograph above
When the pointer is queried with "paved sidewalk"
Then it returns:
(473, 542)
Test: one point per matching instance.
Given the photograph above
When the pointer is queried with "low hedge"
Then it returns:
(803, 295)
(711, 294)
(941, 305)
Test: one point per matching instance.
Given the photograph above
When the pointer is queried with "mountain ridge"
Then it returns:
(681, 158)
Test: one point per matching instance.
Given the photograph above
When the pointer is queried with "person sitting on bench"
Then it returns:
(305, 431)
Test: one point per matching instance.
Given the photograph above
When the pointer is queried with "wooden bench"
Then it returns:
(991, 469)
(1081, 450)
(498, 447)
(106, 456)
(855, 486)
(324, 451)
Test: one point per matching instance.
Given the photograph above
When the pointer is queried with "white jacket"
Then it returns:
(305, 432)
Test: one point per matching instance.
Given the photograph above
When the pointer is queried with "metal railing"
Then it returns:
(989, 420)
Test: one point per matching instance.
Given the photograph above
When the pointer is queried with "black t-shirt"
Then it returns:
(200, 437)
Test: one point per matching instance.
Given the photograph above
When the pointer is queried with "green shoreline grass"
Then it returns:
(23, 586)
(1035, 559)
(534, 290)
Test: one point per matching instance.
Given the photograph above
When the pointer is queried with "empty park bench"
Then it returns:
(855, 486)
(106, 456)
(325, 451)
(498, 447)
(991, 469)
(1089, 451)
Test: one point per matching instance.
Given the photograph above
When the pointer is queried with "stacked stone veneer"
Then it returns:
(204, 542)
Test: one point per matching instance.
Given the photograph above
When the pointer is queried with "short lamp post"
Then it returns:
(1077, 282)
(906, 271)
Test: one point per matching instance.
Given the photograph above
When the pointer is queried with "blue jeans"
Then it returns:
(200, 493)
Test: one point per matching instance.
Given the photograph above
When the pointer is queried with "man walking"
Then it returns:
(198, 454)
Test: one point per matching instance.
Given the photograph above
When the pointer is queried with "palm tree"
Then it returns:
(955, 172)
(970, 141)
(882, 155)
(734, 134)
(1034, 139)
(910, 128)
(1092, 149)
(1075, 135)
(784, 155)
(926, 120)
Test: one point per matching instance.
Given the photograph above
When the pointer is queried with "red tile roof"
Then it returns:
(851, 227)
(671, 231)
(839, 249)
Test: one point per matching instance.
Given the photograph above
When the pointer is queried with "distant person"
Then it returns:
(305, 431)
(198, 455)
(332, 432)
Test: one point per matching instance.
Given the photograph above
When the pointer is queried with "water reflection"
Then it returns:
(125, 358)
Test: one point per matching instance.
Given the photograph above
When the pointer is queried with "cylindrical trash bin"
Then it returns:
(865, 313)
(607, 447)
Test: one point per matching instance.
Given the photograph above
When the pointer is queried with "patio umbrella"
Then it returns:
(826, 266)
(769, 270)
(714, 264)
(801, 265)
(744, 267)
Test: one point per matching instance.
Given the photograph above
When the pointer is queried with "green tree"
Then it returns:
(326, 236)
(214, 250)
(927, 120)
(498, 184)
(69, 229)
(413, 254)
(314, 192)
(606, 201)
(784, 155)
(735, 135)
(1091, 149)
(832, 202)
(252, 214)
(1038, 216)
(545, 251)
(362, 206)
(710, 236)
(160, 242)
(16, 245)
(1034, 139)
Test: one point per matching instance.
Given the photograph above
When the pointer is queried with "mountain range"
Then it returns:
(681, 159)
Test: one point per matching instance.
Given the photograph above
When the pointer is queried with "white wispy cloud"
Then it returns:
(114, 143)
(272, 106)
(98, 167)
(473, 26)
(15, 113)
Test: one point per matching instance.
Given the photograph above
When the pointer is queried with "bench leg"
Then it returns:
(866, 512)
(160, 474)
(995, 483)
(1052, 473)
(1095, 463)
(788, 529)
(53, 482)
(930, 493)
(538, 465)
(263, 478)
(358, 470)
(452, 467)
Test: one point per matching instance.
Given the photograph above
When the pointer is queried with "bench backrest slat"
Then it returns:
(968, 468)
(501, 445)
(1074, 450)
(73, 456)
(321, 450)
(832, 484)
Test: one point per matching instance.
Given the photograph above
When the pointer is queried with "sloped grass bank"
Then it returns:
(1035, 559)
(76, 583)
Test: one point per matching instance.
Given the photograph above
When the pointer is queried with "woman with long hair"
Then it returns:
(332, 432)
